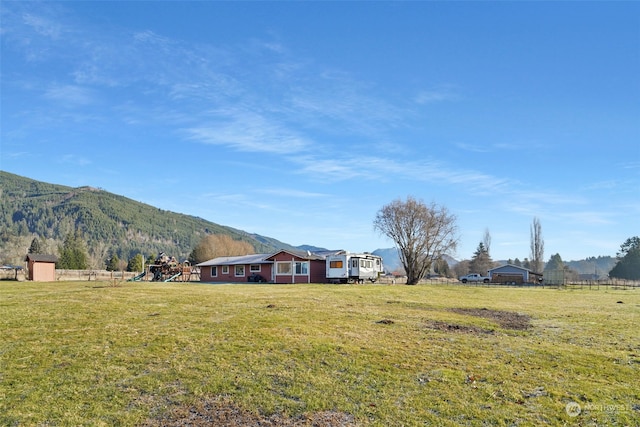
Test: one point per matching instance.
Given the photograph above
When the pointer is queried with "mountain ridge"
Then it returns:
(115, 224)
(110, 223)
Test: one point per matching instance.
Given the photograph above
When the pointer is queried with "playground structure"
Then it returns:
(167, 269)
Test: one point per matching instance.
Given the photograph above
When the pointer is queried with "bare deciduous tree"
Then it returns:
(537, 247)
(422, 234)
(217, 245)
(486, 241)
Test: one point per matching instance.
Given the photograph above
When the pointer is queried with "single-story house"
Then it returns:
(298, 267)
(280, 267)
(236, 268)
(42, 268)
(510, 273)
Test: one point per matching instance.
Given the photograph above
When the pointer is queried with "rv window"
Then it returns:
(335, 264)
(354, 263)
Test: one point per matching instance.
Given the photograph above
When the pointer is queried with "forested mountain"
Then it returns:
(109, 224)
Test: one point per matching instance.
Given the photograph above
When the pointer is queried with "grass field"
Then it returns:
(87, 353)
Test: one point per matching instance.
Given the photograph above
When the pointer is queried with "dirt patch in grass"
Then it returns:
(452, 327)
(506, 319)
(221, 411)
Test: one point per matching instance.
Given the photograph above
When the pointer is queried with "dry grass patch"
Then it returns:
(222, 411)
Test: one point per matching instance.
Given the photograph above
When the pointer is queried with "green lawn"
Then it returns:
(87, 353)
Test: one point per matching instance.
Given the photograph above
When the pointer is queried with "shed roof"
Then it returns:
(41, 258)
(511, 267)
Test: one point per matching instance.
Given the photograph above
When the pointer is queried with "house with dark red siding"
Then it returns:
(280, 267)
(237, 269)
(298, 267)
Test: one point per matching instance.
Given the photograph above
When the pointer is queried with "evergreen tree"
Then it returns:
(73, 253)
(555, 263)
(114, 263)
(441, 267)
(136, 263)
(36, 247)
(629, 244)
(481, 261)
(151, 259)
(628, 267)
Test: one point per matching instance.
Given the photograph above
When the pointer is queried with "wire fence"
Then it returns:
(603, 284)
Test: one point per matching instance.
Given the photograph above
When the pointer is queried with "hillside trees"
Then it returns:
(109, 223)
(628, 266)
(217, 245)
(422, 234)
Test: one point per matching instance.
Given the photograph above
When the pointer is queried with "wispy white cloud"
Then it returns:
(587, 217)
(440, 93)
(43, 25)
(381, 169)
(473, 147)
(631, 164)
(292, 193)
(247, 131)
(70, 95)
(74, 159)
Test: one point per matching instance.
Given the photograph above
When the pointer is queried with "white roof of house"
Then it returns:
(237, 260)
(264, 258)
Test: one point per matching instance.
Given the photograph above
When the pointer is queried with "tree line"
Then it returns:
(91, 228)
(424, 234)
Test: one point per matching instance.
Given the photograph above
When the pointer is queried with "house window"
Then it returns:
(283, 268)
(214, 271)
(302, 268)
(335, 264)
(225, 269)
(239, 270)
(255, 268)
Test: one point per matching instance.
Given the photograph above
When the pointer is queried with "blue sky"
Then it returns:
(300, 120)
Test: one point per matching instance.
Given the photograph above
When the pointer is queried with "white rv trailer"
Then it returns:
(345, 267)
